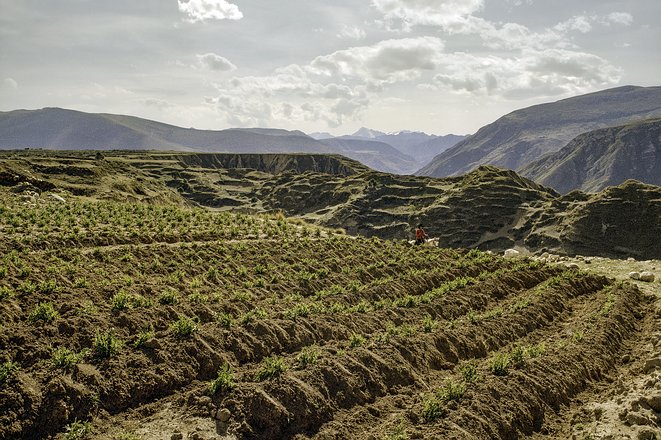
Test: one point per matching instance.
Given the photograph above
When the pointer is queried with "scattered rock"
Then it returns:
(152, 344)
(637, 419)
(648, 277)
(647, 434)
(631, 259)
(652, 364)
(634, 275)
(177, 436)
(57, 197)
(223, 415)
(510, 253)
(654, 402)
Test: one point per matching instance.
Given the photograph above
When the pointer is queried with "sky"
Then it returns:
(438, 66)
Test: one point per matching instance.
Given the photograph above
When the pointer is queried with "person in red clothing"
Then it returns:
(420, 235)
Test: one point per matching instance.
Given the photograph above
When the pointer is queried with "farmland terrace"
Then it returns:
(160, 318)
(488, 209)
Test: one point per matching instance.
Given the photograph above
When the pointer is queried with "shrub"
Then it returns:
(78, 430)
(143, 337)
(432, 409)
(428, 324)
(518, 356)
(499, 364)
(398, 433)
(27, 288)
(6, 292)
(106, 344)
(451, 390)
(534, 351)
(271, 367)
(48, 287)
(169, 297)
(43, 312)
(184, 326)
(120, 301)
(7, 370)
(469, 372)
(356, 340)
(307, 356)
(296, 311)
(224, 382)
(225, 319)
(65, 359)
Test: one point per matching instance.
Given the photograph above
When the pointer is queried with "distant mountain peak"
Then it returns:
(368, 133)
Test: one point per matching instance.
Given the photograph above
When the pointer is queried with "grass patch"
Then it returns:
(106, 345)
(224, 382)
(271, 368)
(143, 337)
(78, 430)
(500, 364)
(183, 327)
(307, 356)
(43, 312)
(7, 370)
(356, 340)
(65, 359)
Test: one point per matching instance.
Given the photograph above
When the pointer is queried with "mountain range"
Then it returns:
(523, 136)
(55, 128)
(600, 158)
(586, 142)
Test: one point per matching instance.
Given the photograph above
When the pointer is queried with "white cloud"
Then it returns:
(623, 18)
(10, 84)
(579, 23)
(215, 62)
(385, 62)
(202, 10)
(548, 72)
(352, 32)
(426, 12)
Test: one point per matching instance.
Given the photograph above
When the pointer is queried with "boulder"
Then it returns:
(646, 276)
(634, 275)
(510, 253)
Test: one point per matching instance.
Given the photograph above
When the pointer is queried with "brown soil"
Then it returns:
(322, 336)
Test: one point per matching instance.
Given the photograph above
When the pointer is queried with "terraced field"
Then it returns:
(135, 321)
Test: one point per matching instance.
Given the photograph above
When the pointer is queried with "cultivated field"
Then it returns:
(136, 321)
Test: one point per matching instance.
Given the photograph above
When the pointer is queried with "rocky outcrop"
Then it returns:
(601, 158)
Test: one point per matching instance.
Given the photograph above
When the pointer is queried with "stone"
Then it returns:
(57, 197)
(654, 402)
(652, 364)
(223, 414)
(177, 436)
(571, 266)
(510, 253)
(634, 275)
(152, 344)
(648, 277)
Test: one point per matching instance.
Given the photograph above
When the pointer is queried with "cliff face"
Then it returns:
(601, 158)
(525, 135)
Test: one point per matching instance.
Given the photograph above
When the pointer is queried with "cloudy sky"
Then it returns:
(439, 66)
